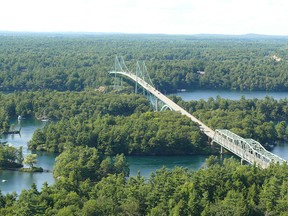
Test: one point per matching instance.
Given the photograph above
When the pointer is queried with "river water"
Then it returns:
(233, 95)
(17, 181)
(282, 148)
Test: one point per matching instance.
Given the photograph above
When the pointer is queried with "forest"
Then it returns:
(89, 185)
(118, 123)
(10, 157)
(94, 127)
(76, 62)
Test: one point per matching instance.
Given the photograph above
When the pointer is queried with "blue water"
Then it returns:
(147, 164)
(17, 181)
(233, 95)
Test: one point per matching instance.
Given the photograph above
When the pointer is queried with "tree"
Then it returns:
(281, 129)
(30, 160)
(20, 157)
(10, 156)
(121, 165)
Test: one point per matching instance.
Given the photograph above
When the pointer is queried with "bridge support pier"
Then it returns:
(156, 105)
(242, 161)
(221, 150)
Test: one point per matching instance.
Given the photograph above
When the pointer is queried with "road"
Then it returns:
(208, 131)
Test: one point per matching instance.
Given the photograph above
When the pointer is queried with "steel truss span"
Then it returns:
(247, 149)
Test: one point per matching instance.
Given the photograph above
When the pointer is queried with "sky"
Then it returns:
(233, 17)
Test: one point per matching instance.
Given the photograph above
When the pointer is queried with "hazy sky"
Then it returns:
(147, 16)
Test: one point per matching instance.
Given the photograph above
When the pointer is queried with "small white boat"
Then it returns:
(19, 117)
(44, 118)
(4, 180)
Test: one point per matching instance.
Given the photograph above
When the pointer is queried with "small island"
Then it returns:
(31, 160)
(12, 158)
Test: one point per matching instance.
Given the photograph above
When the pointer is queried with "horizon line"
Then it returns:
(135, 33)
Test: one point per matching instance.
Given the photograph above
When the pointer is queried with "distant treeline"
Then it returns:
(76, 62)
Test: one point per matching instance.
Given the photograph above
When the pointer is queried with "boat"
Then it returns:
(4, 180)
(12, 131)
(19, 117)
(43, 118)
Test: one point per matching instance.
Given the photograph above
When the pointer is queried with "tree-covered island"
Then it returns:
(12, 158)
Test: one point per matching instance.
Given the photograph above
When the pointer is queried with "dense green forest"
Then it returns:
(65, 105)
(264, 120)
(124, 123)
(111, 122)
(76, 62)
(10, 157)
(150, 133)
(89, 185)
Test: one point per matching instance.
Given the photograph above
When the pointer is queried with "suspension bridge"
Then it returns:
(248, 150)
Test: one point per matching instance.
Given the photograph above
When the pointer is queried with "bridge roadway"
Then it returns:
(247, 149)
(208, 131)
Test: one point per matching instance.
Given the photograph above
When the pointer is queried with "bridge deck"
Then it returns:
(208, 131)
(247, 149)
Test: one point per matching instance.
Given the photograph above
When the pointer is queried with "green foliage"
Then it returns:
(105, 121)
(93, 126)
(59, 105)
(151, 133)
(10, 157)
(82, 163)
(262, 120)
(223, 188)
(30, 160)
(76, 62)
(4, 117)
(32, 169)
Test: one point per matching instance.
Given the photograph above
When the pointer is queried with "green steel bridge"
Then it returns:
(247, 149)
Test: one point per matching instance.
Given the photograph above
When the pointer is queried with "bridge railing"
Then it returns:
(247, 149)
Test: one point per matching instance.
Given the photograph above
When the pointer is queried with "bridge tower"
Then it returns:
(141, 73)
(119, 65)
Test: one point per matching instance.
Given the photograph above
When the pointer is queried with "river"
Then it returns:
(233, 95)
(17, 181)
(282, 148)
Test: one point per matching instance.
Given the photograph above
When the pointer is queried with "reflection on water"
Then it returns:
(28, 126)
(17, 181)
(281, 150)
